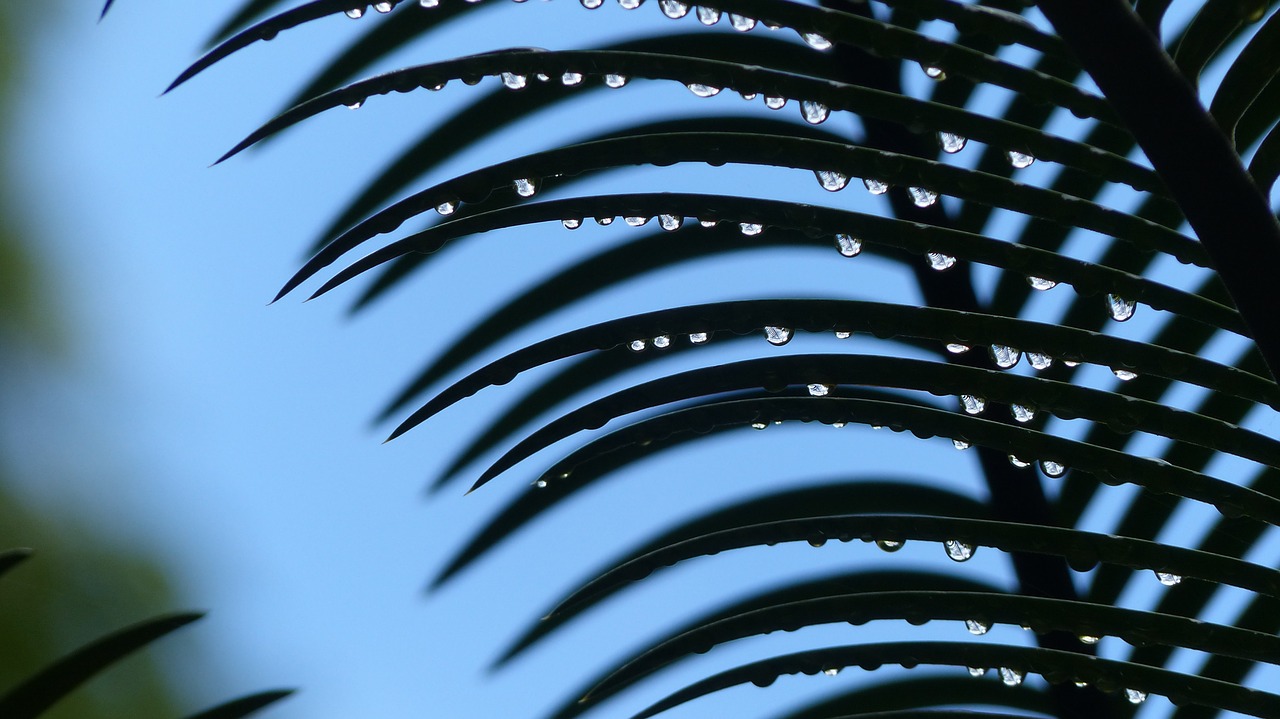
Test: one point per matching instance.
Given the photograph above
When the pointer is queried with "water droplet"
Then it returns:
(637, 345)
(933, 73)
(815, 41)
(741, 23)
(698, 338)
(1168, 579)
(1039, 361)
(837, 425)
(514, 81)
(956, 348)
(540, 484)
(775, 103)
(972, 404)
(831, 180)
(1052, 469)
(1021, 413)
(615, 80)
(1135, 696)
(960, 444)
(604, 221)
(1010, 677)
(1018, 462)
(1121, 309)
(428, 3)
(749, 96)
(1082, 685)
(446, 208)
(1088, 639)
(662, 341)
(703, 90)
(831, 671)
(889, 545)
(759, 425)
(814, 112)
(542, 76)
(673, 9)
(355, 105)
(875, 187)
(635, 220)
(708, 15)
(817, 389)
(630, 4)
(940, 262)
(848, 245)
(976, 671)
(355, 13)
(1020, 160)
(709, 224)
(777, 335)
(922, 197)
(670, 223)
(951, 142)
(958, 551)
(1124, 375)
(842, 335)
(382, 7)
(976, 628)
(525, 187)
(750, 228)
(437, 87)
(771, 24)
(569, 79)
(1005, 356)
(571, 223)
(1040, 283)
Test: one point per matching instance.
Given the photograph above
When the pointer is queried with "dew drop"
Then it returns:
(446, 208)
(1168, 579)
(956, 348)
(1081, 685)
(1019, 160)
(1018, 462)
(437, 87)
(875, 187)
(817, 389)
(1005, 356)
(635, 220)
(662, 341)
(514, 81)
(355, 13)
(1088, 639)
(1052, 469)
(1135, 696)
(976, 628)
(922, 197)
(837, 425)
(940, 262)
(604, 221)
(889, 545)
(525, 187)
(831, 180)
(976, 671)
(842, 335)
(542, 76)
(1121, 309)
(670, 223)
(615, 80)
(972, 404)
(951, 143)
(637, 345)
(571, 223)
(698, 338)
(1040, 283)
(630, 4)
(1124, 375)
(709, 224)
(848, 245)
(814, 112)
(777, 336)
(591, 4)
(749, 96)
(428, 3)
(933, 73)
(540, 484)
(1022, 413)
(569, 79)
(1039, 361)
(815, 41)
(703, 90)
(831, 672)
(673, 9)
(1010, 677)
(383, 7)
(775, 103)
(741, 23)
(958, 551)
(960, 444)
(750, 228)
(759, 425)
(355, 105)
(708, 15)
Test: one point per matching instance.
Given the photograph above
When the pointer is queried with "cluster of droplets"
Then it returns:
(356, 13)
(660, 342)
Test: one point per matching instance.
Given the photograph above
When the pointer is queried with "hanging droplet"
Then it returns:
(1010, 677)
(842, 335)
(1088, 639)
(604, 221)
(960, 444)
(525, 187)
(889, 545)
(662, 341)
(831, 180)
(1005, 356)
(1040, 283)
(749, 96)
(355, 13)
(1121, 309)
(740, 23)
(777, 336)
(571, 223)
(976, 628)
(922, 197)
(958, 551)
(848, 245)
(976, 671)
(940, 262)
(814, 112)
(837, 425)
(956, 348)
(540, 484)
(815, 41)
(673, 9)
(709, 224)
(514, 81)
(708, 15)
(437, 87)
(817, 389)
(759, 425)
(670, 223)
(1124, 375)
(1135, 696)
(630, 4)
(1020, 464)
(1020, 160)
(447, 208)
(1021, 413)
(972, 404)
(951, 142)
(750, 228)
(635, 220)
(383, 7)
(355, 105)
(428, 3)
(703, 90)
(1081, 685)
(831, 671)
(569, 79)
(875, 187)
(542, 76)
(1168, 579)
(1039, 361)
(775, 103)
(1070, 363)
(933, 73)
(1052, 469)
(615, 80)
(698, 338)
(637, 345)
